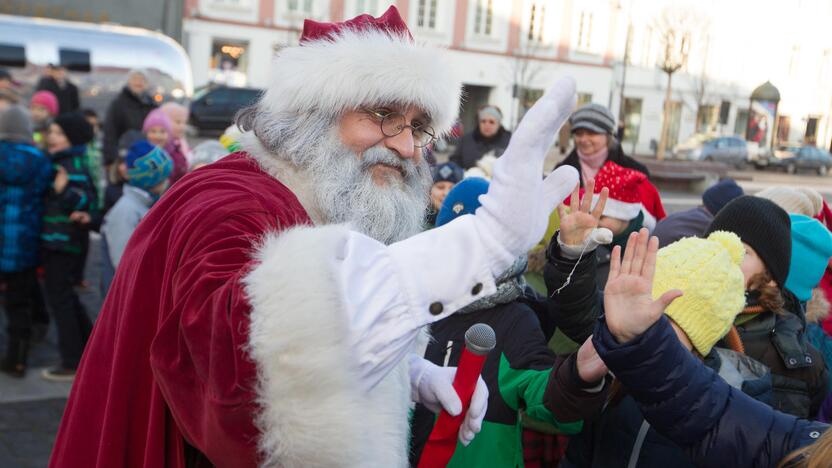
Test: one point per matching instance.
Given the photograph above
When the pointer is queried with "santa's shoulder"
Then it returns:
(233, 185)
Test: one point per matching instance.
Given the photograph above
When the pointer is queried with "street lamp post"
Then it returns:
(675, 56)
(621, 109)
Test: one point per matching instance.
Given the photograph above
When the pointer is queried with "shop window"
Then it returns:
(229, 62)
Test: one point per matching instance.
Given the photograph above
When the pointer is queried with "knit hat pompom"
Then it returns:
(732, 243)
(709, 275)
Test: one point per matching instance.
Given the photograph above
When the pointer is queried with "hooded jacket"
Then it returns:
(123, 219)
(126, 112)
(25, 175)
(798, 370)
(473, 146)
(689, 404)
(59, 232)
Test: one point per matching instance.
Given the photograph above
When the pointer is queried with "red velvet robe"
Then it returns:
(166, 361)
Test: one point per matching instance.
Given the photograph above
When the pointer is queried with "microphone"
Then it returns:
(480, 339)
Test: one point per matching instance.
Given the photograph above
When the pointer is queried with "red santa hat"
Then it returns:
(653, 207)
(339, 67)
(624, 185)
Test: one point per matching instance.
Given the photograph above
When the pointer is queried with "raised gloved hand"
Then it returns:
(515, 211)
(432, 386)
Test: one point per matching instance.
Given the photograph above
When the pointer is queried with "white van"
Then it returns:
(97, 58)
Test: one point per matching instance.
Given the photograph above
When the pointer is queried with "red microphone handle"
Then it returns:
(442, 441)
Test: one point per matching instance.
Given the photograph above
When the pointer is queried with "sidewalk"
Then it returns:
(31, 408)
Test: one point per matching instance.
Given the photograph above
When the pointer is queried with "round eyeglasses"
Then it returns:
(393, 123)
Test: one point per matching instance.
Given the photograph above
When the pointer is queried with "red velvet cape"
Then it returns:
(166, 361)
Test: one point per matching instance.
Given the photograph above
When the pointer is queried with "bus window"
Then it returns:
(12, 55)
(75, 60)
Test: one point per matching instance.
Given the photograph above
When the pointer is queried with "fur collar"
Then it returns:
(285, 172)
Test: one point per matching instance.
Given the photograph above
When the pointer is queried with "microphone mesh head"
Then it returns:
(480, 338)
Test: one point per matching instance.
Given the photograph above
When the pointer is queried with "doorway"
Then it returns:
(473, 97)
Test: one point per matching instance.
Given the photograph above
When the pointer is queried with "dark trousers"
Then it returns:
(71, 319)
(78, 275)
(107, 268)
(22, 294)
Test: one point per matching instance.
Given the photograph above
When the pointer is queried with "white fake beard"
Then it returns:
(346, 192)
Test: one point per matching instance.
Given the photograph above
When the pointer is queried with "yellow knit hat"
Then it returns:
(708, 272)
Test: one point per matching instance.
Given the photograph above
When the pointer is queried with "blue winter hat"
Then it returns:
(147, 165)
(719, 194)
(811, 250)
(463, 199)
(448, 172)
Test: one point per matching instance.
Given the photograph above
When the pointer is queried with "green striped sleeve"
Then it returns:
(524, 389)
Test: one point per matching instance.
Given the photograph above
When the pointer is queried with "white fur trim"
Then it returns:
(313, 412)
(296, 180)
(363, 68)
(649, 220)
(618, 209)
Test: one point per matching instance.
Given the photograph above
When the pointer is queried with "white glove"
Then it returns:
(432, 386)
(515, 211)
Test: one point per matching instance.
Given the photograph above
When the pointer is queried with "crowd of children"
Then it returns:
(752, 273)
(749, 281)
(56, 189)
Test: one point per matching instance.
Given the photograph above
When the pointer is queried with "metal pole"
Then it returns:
(624, 72)
(665, 121)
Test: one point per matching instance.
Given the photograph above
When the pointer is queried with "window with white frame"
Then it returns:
(426, 14)
(537, 18)
(300, 6)
(584, 37)
(366, 6)
(484, 17)
(236, 3)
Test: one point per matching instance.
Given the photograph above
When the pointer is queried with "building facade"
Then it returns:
(506, 52)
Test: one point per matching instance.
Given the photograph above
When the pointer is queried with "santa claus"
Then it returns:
(266, 310)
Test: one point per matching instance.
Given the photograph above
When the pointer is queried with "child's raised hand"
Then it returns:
(628, 302)
(576, 226)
